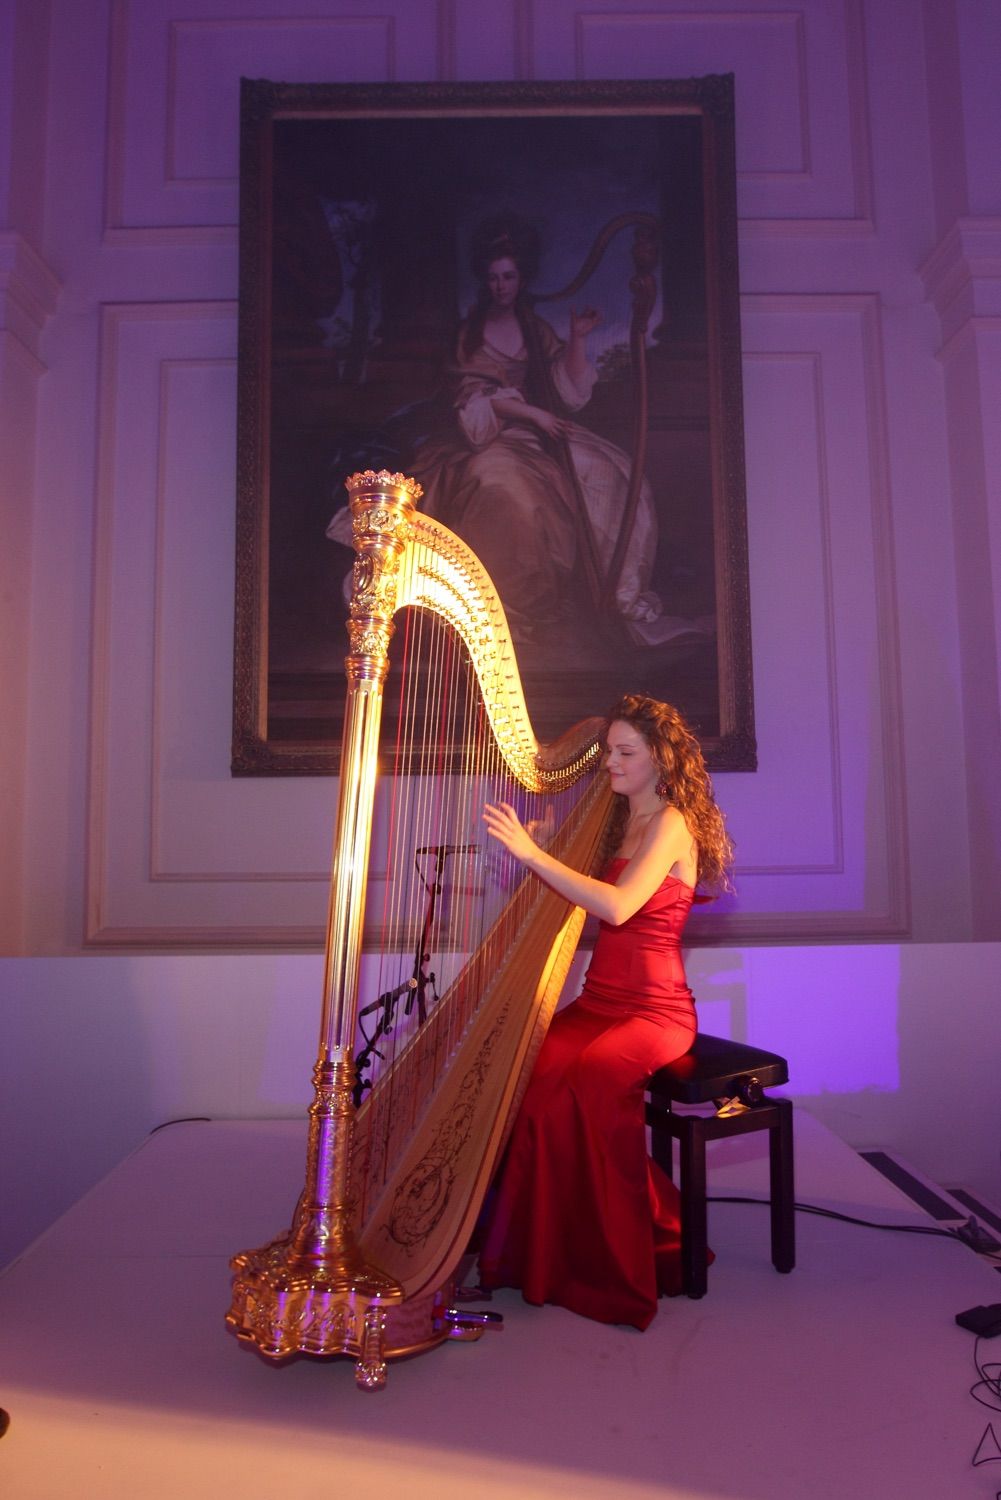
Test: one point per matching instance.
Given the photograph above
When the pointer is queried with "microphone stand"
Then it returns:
(387, 1004)
(422, 980)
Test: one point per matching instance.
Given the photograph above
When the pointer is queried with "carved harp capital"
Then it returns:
(382, 511)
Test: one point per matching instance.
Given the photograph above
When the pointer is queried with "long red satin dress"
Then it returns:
(581, 1216)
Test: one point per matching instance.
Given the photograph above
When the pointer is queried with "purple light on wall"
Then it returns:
(833, 1012)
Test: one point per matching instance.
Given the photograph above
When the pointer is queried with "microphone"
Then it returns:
(447, 849)
(388, 998)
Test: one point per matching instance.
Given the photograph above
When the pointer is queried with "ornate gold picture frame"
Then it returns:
(376, 223)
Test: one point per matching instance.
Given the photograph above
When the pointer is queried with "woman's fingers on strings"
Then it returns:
(541, 830)
(502, 821)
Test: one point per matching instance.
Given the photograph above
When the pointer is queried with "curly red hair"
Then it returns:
(683, 771)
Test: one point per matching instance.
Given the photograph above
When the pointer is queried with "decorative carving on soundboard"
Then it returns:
(424, 1193)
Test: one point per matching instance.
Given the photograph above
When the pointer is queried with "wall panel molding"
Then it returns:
(180, 855)
(685, 33)
(132, 348)
(182, 68)
(962, 276)
(853, 453)
(803, 109)
(29, 292)
(180, 65)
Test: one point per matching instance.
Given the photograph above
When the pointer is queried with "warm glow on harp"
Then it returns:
(393, 1188)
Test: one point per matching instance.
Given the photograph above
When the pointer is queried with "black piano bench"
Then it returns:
(714, 1070)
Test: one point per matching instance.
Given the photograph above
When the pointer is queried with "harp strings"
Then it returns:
(432, 899)
(442, 919)
(448, 892)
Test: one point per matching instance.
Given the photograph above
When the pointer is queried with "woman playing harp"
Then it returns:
(581, 1216)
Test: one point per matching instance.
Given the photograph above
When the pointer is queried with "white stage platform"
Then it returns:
(847, 1378)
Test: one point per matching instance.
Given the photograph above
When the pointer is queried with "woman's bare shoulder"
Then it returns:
(671, 818)
(670, 827)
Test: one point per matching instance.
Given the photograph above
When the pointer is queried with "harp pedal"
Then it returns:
(463, 1323)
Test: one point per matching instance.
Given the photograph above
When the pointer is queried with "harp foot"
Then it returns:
(370, 1375)
(370, 1371)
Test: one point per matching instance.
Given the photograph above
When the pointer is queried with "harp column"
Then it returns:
(312, 1291)
(382, 509)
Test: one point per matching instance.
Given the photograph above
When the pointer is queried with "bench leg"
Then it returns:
(783, 1193)
(661, 1141)
(694, 1249)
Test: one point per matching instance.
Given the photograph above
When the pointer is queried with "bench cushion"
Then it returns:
(709, 1069)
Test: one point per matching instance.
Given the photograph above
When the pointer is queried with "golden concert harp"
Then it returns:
(394, 1183)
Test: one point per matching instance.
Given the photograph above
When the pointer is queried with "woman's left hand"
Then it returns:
(504, 825)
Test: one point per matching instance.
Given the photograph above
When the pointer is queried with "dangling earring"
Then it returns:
(663, 790)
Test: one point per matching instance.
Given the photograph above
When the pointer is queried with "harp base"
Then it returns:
(285, 1304)
(284, 1310)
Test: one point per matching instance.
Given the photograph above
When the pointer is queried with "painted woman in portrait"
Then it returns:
(536, 495)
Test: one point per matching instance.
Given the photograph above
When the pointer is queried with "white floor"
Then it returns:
(847, 1378)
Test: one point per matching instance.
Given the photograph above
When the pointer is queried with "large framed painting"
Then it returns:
(525, 296)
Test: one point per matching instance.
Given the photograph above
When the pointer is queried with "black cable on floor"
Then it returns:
(183, 1120)
(987, 1389)
(830, 1213)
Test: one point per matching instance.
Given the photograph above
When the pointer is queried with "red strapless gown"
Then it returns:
(581, 1216)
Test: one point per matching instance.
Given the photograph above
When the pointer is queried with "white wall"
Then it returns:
(871, 484)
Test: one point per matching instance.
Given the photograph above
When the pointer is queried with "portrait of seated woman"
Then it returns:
(535, 493)
(539, 496)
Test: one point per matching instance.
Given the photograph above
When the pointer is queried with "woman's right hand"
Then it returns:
(504, 825)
